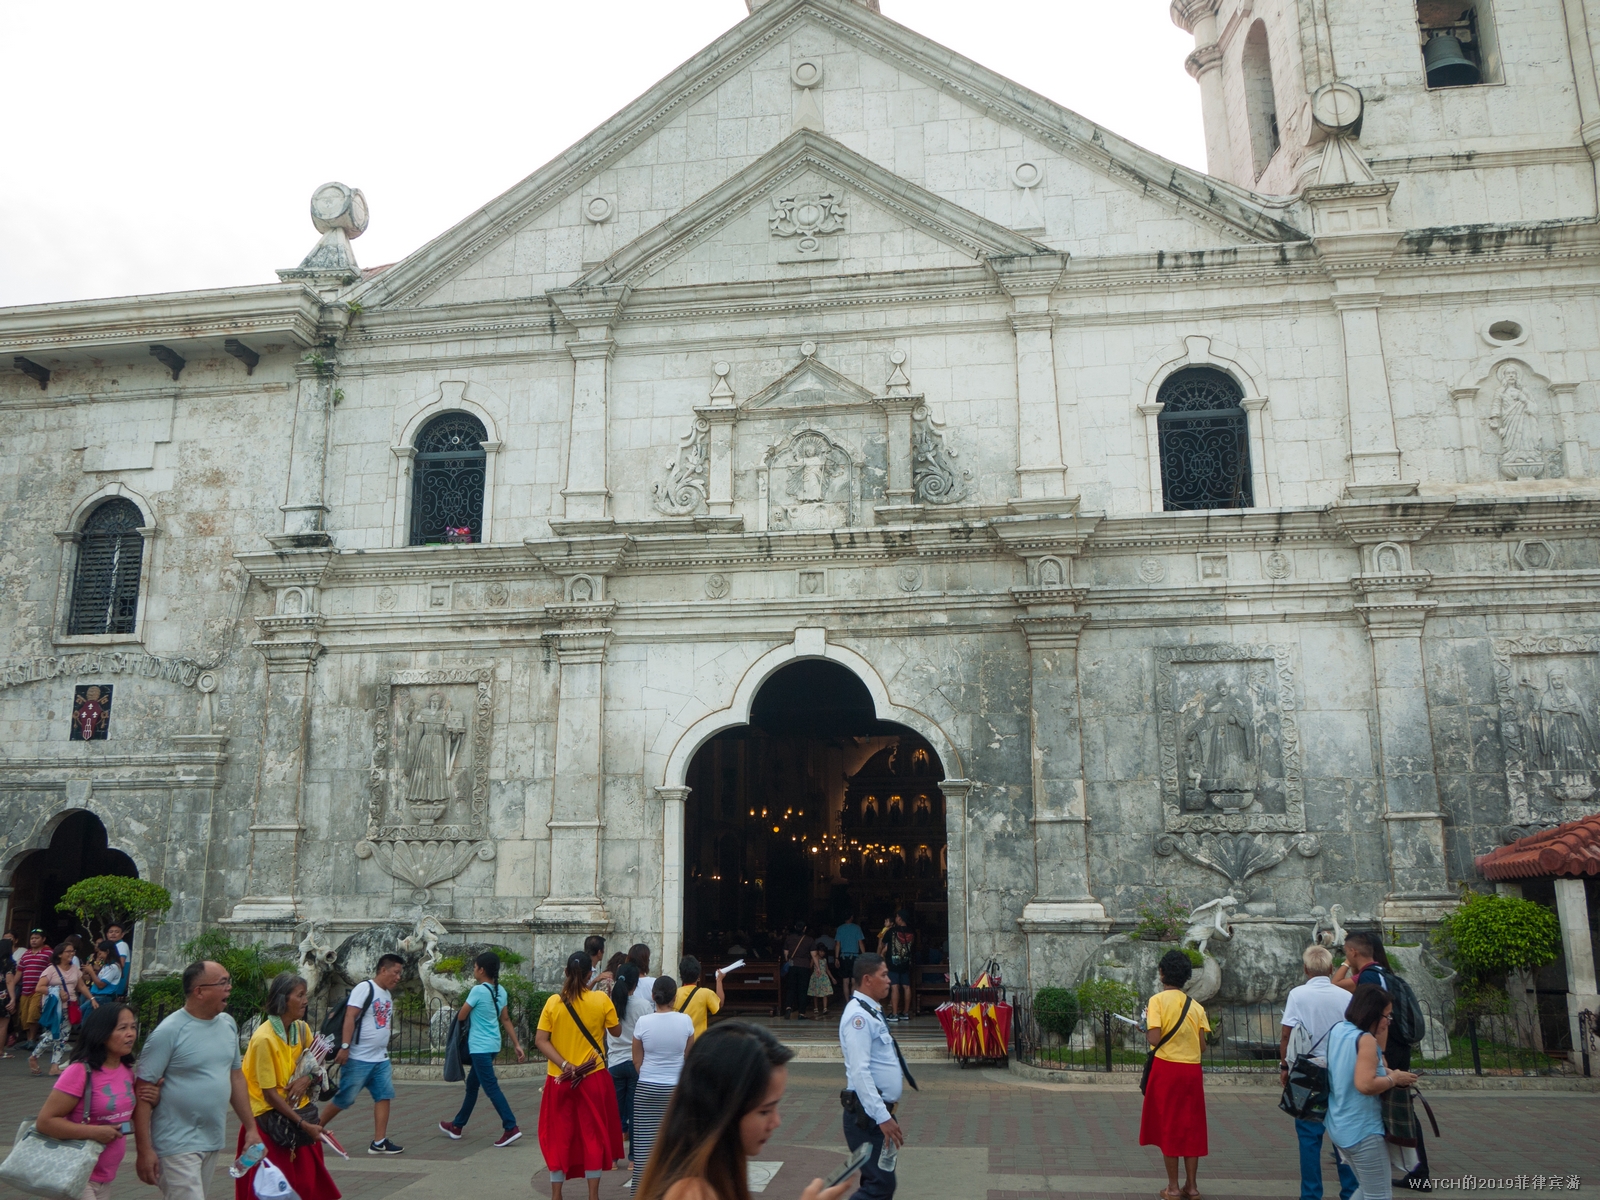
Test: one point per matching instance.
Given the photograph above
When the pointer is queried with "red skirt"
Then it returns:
(1174, 1115)
(580, 1129)
(303, 1168)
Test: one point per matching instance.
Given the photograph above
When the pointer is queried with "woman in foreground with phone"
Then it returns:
(724, 1111)
(102, 1062)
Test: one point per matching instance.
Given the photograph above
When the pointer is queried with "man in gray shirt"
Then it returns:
(188, 1076)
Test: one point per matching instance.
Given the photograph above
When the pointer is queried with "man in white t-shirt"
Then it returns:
(1313, 1009)
(364, 1051)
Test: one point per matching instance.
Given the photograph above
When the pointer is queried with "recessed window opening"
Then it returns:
(1458, 43)
(1260, 100)
(1204, 438)
(448, 480)
(105, 587)
(1505, 331)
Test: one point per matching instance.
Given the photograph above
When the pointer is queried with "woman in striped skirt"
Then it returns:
(660, 1041)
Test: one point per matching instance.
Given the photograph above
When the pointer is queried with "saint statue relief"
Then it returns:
(1521, 456)
(813, 471)
(1563, 739)
(1222, 750)
(433, 740)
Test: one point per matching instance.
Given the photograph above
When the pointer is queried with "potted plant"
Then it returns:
(458, 535)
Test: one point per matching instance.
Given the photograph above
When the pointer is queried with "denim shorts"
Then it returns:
(355, 1075)
(900, 978)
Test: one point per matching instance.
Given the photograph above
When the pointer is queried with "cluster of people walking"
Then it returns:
(1340, 1021)
(817, 968)
(45, 992)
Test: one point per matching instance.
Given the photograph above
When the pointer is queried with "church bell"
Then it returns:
(1447, 65)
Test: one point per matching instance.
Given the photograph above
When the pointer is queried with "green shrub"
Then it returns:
(1099, 996)
(1163, 921)
(1196, 959)
(1056, 1010)
(103, 900)
(1495, 935)
(450, 966)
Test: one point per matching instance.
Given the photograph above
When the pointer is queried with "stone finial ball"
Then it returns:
(336, 206)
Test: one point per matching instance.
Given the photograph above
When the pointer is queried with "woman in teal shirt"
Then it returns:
(485, 1013)
(1356, 1078)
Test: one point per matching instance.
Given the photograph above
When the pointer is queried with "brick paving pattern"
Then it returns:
(975, 1135)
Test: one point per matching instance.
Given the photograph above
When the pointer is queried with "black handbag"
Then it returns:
(1150, 1059)
(1305, 1096)
(290, 1135)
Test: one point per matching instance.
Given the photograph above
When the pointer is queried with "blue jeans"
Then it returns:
(1311, 1163)
(355, 1075)
(482, 1075)
(626, 1076)
(876, 1183)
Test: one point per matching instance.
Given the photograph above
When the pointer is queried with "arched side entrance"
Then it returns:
(891, 719)
(79, 849)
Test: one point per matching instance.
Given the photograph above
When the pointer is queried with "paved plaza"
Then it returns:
(975, 1135)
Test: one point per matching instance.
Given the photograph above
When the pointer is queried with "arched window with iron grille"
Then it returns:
(105, 587)
(447, 480)
(1204, 440)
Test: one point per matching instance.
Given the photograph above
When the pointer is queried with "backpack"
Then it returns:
(333, 1023)
(1409, 1020)
(899, 956)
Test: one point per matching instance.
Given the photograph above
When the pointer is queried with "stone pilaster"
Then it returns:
(190, 828)
(305, 511)
(592, 312)
(1041, 474)
(959, 886)
(674, 805)
(1391, 603)
(277, 813)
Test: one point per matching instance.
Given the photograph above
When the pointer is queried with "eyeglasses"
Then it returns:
(1386, 1017)
(224, 982)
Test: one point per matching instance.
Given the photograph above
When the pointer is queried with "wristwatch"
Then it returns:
(344, 1045)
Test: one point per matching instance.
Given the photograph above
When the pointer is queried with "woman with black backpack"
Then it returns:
(580, 1129)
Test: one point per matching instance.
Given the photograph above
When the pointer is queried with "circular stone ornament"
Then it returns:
(1026, 174)
(337, 206)
(1337, 107)
(807, 73)
(598, 209)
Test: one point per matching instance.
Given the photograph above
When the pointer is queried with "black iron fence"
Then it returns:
(419, 1030)
(1529, 1038)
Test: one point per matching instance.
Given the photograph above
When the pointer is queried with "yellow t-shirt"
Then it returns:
(704, 1006)
(269, 1063)
(1163, 1014)
(596, 1012)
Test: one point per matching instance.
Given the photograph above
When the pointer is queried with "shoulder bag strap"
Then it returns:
(685, 1005)
(1173, 1032)
(584, 1029)
(372, 994)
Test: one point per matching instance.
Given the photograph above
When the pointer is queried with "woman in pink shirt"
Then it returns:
(104, 1060)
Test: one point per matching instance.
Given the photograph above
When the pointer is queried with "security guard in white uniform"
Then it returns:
(873, 1067)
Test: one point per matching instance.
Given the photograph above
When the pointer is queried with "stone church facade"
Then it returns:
(1228, 532)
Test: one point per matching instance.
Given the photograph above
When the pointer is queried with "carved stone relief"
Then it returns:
(806, 226)
(1549, 726)
(813, 482)
(935, 478)
(428, 811)
(688, 473)
(1522, 421)
(1230, 746)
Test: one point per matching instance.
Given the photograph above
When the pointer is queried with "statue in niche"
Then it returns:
(433, 742)
(813, 471)
(919, 762)
(869, 811)
(1521, 456)
(924, 863)
(897, 811)
(1221, 752)
(923, 815)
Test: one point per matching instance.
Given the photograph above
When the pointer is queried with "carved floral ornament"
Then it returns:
(935, 478)
(428, 812)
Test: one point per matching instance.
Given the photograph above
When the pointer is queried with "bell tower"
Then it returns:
(1479, 111)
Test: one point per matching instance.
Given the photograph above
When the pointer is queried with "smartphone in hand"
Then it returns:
(850, 1166)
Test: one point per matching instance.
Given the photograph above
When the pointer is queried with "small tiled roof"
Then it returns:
(1570, 849)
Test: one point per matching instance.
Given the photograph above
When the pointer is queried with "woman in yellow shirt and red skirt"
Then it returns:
(1174, 1114)
(580, 1128)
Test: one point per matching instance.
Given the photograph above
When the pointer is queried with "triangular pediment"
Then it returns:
(810, 385)
(665, 149)
(744, 225)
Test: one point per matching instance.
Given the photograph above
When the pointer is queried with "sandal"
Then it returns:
(1189, 1193)
(33, 1066)
(1168, 1193)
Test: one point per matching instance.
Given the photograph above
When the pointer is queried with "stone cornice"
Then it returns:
(1408, 519)
(288, 568)
(290, 311)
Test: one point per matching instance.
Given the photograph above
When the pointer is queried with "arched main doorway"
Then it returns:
(78, 850)
(813, 811)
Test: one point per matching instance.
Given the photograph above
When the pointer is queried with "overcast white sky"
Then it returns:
(161, 146)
